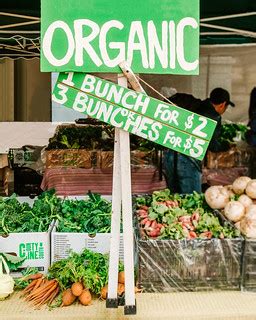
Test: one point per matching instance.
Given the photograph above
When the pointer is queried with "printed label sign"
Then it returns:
(95, 36)
(135, 112)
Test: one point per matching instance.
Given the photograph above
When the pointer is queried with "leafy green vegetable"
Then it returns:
(89, 216)
(21, 217)
(12, 261)
(22, 282)
(89, 267)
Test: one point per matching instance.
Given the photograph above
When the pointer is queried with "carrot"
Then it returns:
(46, 296)
(40, 290)
(38, 284)
(77, 288)
(120, 289)
(29, 287)
(53, 295)
(104, 292)
(34, 276)
(85, 298)
(68, 298)
(121, 277)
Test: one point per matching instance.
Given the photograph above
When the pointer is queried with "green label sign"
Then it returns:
(95, 36)
(31, 250)
(135, 112)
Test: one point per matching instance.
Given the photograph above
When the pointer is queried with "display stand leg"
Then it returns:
(112, 299)
(122, 194)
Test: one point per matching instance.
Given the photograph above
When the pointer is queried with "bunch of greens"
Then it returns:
(174, 216)
(89, 267)
(229, 131)
(90, 216)
(21, 217)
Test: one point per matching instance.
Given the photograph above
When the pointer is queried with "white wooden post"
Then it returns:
(112, 299)
(122, 161)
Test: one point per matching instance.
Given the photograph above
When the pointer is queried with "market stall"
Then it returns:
(67, 250)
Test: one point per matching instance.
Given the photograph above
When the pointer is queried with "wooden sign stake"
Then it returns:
(122, 199)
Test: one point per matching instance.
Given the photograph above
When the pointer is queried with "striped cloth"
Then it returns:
(78, 181)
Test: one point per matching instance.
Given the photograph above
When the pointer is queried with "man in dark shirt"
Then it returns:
(183, 173)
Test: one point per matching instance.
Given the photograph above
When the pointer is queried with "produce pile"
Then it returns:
(89, 216)
(78, 277)
(232, 131)
(97, 137)
(21, 217)
(92, 215)
(172, 216)
(237, 202)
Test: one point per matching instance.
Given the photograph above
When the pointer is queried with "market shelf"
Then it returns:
(174, 306)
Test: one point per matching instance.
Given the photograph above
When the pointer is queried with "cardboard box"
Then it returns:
(34, 246)
(77, 158)
(63, 242)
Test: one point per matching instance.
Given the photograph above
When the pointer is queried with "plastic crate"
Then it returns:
(249, 266)
(190, 265)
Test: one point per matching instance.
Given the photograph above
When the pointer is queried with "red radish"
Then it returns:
(148, 224)
(144, 208)
(195, 216)
(185, 219)
(144, 220)
(192, 234)
(154, 224)
(206, 235)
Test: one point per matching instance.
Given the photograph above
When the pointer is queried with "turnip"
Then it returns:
(229, 188)
(251, 189)
(251, 212)
(234, 211)
(217, 197)
(248, 227)
(245, 200)
(240, 184)
(6, 281)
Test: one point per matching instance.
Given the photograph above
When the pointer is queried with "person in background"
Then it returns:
(183, 173)
(251, 133)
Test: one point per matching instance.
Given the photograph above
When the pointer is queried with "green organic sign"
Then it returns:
(95, 36)
(31, 250)
(135, 112)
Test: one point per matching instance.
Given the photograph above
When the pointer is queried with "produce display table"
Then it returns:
(77, 181)
(176, 306)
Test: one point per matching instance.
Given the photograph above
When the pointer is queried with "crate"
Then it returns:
(235, 157)
(78, 158)
(190, 265)
(249, 266)
(34, 246)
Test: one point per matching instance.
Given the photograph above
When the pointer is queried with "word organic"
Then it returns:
(149, 118)
(77, 38)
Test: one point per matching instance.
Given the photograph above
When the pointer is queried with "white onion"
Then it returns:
(234, 211)
(240, 184)
(245, 200)
(251, 189)
(217, 197)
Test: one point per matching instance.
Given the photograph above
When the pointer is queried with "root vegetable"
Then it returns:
(121, 277)
(245, 200)
(234, 211)
(217, 197)
(251, 189)
(238, 225)
(251, 212)
(85, 297)
(229, 188)
(248, 227)
(77, 288)
(104, 292)
(120, 289)
(240, 184)
(68, 298)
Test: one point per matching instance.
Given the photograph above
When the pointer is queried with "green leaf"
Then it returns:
(13, 261)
